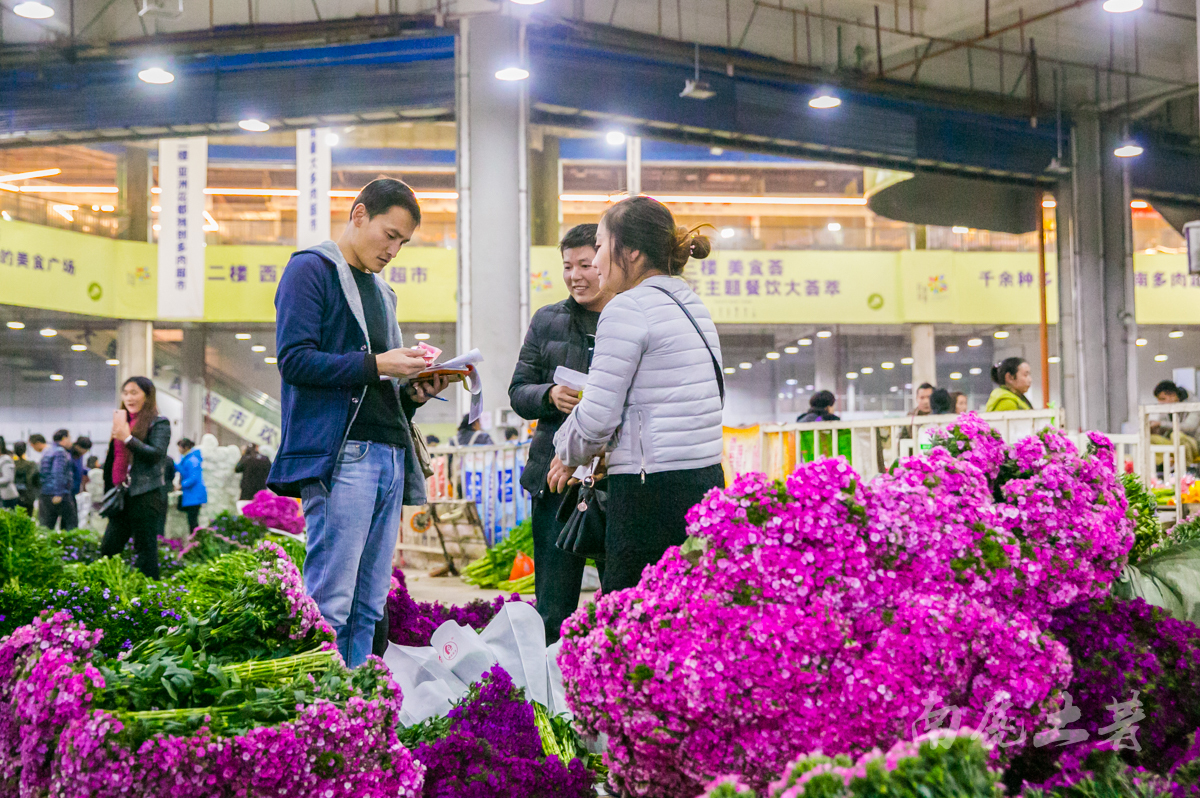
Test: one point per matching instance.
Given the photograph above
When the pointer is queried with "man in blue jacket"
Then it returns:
(347, 448)
(191, 482)
(58, 483)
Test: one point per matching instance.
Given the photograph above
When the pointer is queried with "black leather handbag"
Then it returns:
(584, 519)
(113, 500)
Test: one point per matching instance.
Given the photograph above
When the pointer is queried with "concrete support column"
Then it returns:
(133, 192)
(633, 165)
(545, 187)
(193, 381)
(493, 205)
(826, 356)
(135, 350)
(924, 355)
(1099, 382)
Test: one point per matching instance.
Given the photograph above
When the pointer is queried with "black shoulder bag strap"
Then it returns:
(692, 319)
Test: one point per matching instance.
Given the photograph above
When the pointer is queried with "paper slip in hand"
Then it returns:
(463, 369)
(570, 378)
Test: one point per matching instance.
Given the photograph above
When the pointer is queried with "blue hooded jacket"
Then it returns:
(326, 364)
(191, 479)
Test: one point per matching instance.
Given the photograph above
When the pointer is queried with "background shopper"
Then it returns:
(136, 456)
(820, 408)
(655, 378)
(8, 478)
(562, 334)
(1162, 431)
(27, 478)
(1013, 379)
(254, 468)
(191, 482)
(58, 483)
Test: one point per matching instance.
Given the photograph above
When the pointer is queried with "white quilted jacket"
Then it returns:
(651, 398)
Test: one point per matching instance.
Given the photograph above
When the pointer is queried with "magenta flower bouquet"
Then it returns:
(275, 512)
(821, 613)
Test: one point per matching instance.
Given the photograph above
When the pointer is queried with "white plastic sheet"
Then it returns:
(433, 678)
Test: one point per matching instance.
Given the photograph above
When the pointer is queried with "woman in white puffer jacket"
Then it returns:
(655, 390)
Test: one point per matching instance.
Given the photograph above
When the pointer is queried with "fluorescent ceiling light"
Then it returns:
(332, 139)
(824, 101)
(78, 347)
(48, 332)
(1121, 6)
(805, 342)
(852, 375)
(258, 348)
(254, 125)
(952, 349)
(512, 73)
(1128, 150)
(833, 227)
(887, 365)
(772, 355)
(528, 2)
(1175, 334)
(1054, 359)
(958, 229)
(1139, 204)
(16, 325)
(1000, 334)
(614, 137)
(156, 75)
(824, 334)
(422, 336)
(56, 377)
(32, 9)
(81, 383)
(30, 175)
(728, 232)
(271, 360)
(867, 370)
(107, 208)
(1049, 203)
(791, 350)
(745, 366)
(1160, 358)
(792, 381)
(1141, 342)
(976, 371)
(730, 369)
(956, 375)
(242, 336)
(975, 342)
(210, 224)
(112, 361)
(69, 189)
(906, 361)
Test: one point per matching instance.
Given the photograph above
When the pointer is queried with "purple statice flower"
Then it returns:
(493, 750)
(822, 612)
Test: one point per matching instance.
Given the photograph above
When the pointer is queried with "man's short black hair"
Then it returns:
(83, 443)
(822, 400)
(925, 386)
(581, 235)
(383, 194)
(19, 448)
(62, 433)
(37, 437)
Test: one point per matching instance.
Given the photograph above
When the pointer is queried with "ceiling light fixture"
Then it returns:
(694, 88)
(1141, 342)
(1049, 203)
(270, 359)
(1160, 358)
(615, 138)
(107, 208)
(1175, 334)
(81, 383)
(975, 342)
(792, 381)
(254, 126)
(332, 139)
(805, 342)
(952, 349)
(56, 377)
(960, 230)
(976, 371)
(66, 211)
(791, 350)
(833, 227)
(258, 348)
(78, 347)
(1140, 205)
(824, 101)
(867, 370)
(685, 199)
(1000, 334)
(1130, 149)
(30, 175)
(956, 375)
(112, 361)
(745, 366)
(422, 336)
(16, 325)
(512, 73)
(48, 332)
(156, 75)
(728, 232)
(1054, 359)
(852, 375)
(69, 189)
(824, 334)
(730, 369)
(887, 365)
(772, 355)
(906, 361)
(242, 336)
(1121, 6)
(32, 9)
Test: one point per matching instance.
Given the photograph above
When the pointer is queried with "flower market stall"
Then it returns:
(956, 626)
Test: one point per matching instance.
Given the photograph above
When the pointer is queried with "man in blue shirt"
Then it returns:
(58, 484)
(348, 399)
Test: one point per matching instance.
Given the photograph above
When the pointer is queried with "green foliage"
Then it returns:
(1143, 509)
(296, 550)
(25, 555)
(1106, 776)
(211, 581)
(495, 566)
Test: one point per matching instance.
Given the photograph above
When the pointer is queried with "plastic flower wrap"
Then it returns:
(275, 512)
(824, 613)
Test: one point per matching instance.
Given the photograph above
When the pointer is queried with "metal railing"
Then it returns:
(490, 476)
(1173, 456)
(873, 445)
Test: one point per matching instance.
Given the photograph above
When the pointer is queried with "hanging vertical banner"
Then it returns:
(313, 169)
(182, 177)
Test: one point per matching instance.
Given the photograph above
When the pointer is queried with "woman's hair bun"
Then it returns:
(688, 244)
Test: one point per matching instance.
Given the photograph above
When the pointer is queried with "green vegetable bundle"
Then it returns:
(523, 585)
(1144, 509)
(496, 565)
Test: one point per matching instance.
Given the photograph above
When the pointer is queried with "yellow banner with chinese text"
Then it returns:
(1163, 291)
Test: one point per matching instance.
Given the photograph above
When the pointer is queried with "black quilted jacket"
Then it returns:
(557, 336)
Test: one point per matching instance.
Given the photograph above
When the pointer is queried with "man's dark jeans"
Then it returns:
(557, 574)
(52, 513)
